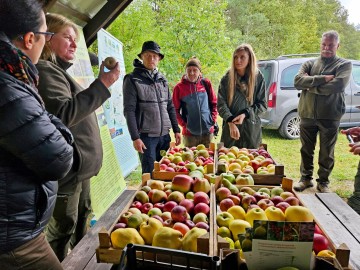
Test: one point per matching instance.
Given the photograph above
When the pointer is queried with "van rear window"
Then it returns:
(288, 75)
(266, 70)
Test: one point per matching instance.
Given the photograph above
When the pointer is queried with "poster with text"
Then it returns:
(128, 159)
(109, 183)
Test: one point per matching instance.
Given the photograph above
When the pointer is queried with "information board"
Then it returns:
(128, 158)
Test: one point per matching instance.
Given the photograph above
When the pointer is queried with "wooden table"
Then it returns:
(83, 255)
(339, 221)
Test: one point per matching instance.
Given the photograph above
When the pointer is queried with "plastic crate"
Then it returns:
(136, 257)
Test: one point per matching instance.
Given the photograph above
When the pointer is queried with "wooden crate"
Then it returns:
(105, 253)
(231, 257)
(164, 175)
(259, 179)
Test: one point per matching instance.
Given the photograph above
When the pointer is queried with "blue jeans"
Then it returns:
(154, 145)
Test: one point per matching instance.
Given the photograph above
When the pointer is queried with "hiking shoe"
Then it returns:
(323, 188)
(302, 185)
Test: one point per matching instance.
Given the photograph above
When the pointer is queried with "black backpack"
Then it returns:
(216, 126)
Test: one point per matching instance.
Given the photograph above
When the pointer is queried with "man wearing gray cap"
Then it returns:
(148, 107)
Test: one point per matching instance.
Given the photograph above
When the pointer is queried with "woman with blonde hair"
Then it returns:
(241, 99)
(75, 106)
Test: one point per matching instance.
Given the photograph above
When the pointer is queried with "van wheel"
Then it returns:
(290, 127)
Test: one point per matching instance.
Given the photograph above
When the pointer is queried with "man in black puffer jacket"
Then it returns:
(148, 107)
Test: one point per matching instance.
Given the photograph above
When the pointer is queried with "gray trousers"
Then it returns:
(35, 254)
(328, 132)
(354, 200)
(69, 221)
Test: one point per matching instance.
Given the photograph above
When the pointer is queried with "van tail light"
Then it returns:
(272, 95)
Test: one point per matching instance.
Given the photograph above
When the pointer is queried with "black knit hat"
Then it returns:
(151, 46)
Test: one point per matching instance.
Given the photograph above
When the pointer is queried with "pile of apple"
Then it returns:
(187, 159)
(166, 214)
(240, 206)
(250, 161)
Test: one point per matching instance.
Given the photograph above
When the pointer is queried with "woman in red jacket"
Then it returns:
(195, 104)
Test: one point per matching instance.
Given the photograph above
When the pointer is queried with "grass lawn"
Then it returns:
(287, 153)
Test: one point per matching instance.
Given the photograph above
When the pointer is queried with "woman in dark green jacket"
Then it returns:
(241, 99)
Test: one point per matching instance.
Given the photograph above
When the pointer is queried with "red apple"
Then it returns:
(292, 200)
(235, 199)
(168, 206)
(265, 203)
(181, 163)
(119, 226)
(225, 204)
(283, 206)
(222, 193)
(168, 223)
(136, 204)
(159, 205)
(251, 206)
(179, 213)
(182, 183)
(163, 167)
(181, 227)
(202, 225)
(277, 199)
(201, 196)
(254, 164)
(165, 161)
(320, 243)
(158, 218)
(124, 217)
(146, 207)
(261, 195)
(165, 215)
(266, 162)
(202, 208)
(182, 169)
(170, 169)
(318, 230)
(189, 223)
(188, 204)
(247, 200)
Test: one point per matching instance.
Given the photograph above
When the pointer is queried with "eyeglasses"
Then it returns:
(48, 35)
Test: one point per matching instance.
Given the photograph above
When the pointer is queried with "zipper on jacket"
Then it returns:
(159, 106)
(197, 98)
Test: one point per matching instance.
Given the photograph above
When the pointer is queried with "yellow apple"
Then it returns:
(237, 227)
(274, 214)
(237, 212)
(298, 213)
(189, 242)
(168, 238)
(326, 253)
(121, 237)
(224, 232)
(149, 228)
(255, 214)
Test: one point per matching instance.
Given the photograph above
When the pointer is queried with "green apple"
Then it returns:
(228, 176)
(224, 232)
(265, 189)
(224, 219)
(244, 179)
(276, 191)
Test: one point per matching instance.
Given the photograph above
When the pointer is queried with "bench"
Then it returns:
(339, 222)
(83, 256)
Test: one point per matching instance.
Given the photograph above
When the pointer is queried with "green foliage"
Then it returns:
(211, 30)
